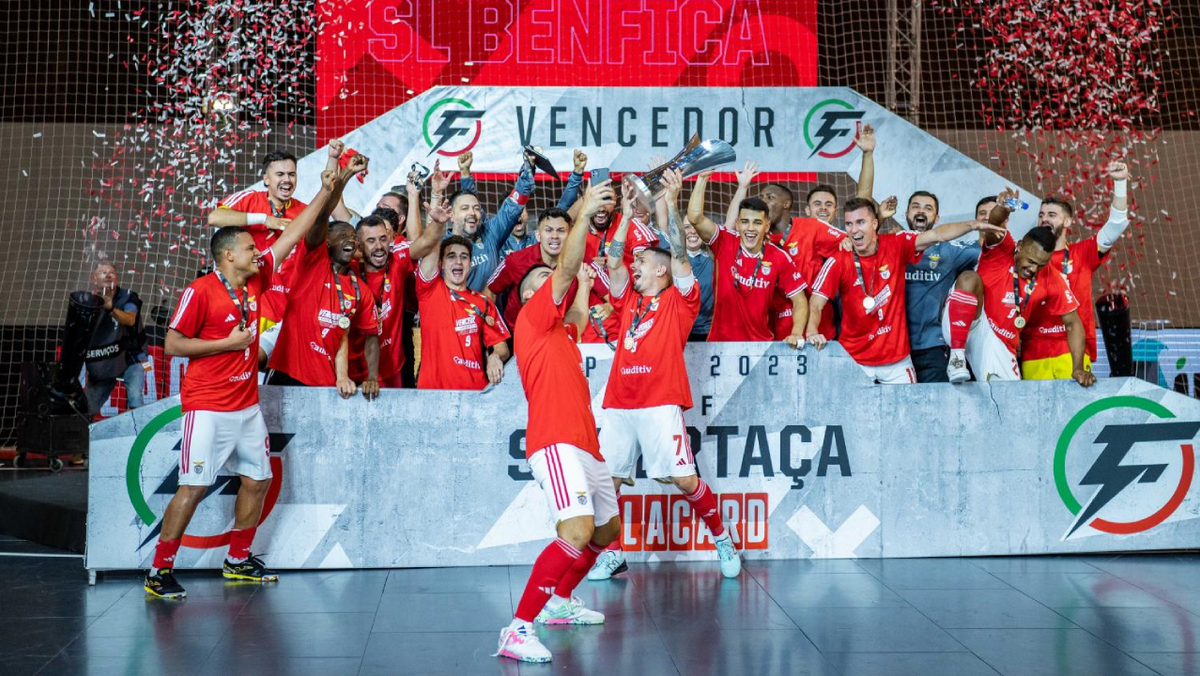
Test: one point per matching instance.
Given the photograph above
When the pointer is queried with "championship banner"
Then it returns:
(810, 460)
(794, 133)
(374, 56)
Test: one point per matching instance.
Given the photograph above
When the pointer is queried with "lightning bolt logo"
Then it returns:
(832, 126)
(1111, 476)
(452, 124)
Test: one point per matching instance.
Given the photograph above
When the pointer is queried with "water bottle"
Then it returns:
(1012, 204)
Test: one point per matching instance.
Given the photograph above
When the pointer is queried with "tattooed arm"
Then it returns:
(681, 265)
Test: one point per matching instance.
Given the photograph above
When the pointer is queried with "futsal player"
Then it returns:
(562, 448)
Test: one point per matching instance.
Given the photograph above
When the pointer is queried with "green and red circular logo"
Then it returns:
(137, 498)
(833, 134)
(1112, 474)
(452, 127)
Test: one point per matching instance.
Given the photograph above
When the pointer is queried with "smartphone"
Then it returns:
(600, 175)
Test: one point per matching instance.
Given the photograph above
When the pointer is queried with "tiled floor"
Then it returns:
(1079, 615)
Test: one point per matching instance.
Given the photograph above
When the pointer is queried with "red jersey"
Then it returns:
(560, 403)
(1045, 336)
(1051, 292)
(252, 201)
(744, 284)
(809, 242)
(453, 335)
(878, 336)
(388, 287)
(259, 202)
(638, 237)
(311, 334)
(508, 275)
(225, 381)
(648, 368)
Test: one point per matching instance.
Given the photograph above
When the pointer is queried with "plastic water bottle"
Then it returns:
(1012, 204)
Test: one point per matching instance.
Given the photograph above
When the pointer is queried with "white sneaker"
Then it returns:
(731, 562)
(521, 644)
(571, 611)
(611, 562)
(956, 369)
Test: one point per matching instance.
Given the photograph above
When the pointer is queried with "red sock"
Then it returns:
(239, 543)
(570, 580)
(164, 553)
(705, 504)
(554, 562)
(960, 310)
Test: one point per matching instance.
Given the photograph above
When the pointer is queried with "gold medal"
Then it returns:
(1019, 322)
(344, 322)
(491, 321)
(629, 343)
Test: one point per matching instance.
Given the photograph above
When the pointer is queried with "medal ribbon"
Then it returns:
(242, 308)
(862, 281)
(639, 314)
(481, 313)
(337, 284)
(753, 278)
(1029, 287)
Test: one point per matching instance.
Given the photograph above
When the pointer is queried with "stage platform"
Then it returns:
(44, 507)
(1129, 615)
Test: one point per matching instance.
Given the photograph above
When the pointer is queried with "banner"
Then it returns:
(374, 56)
(808, 457)
(792, 132)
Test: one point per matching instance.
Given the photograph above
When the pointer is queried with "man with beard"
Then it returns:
(554, 226)
(870, 282)
(929, 282)
(990, 305)
(1045, 354)
(490, 235)
(326, 301)
(486, 235)
(747, 272)
(463, 337)
(386, 268)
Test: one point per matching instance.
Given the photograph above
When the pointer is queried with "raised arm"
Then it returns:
(313, 223)
(618, 274)
(573, 250)
(998, 216)
(681, 265)
(1118, 214)
(336, 148)
(412, 220)
(578, 313)
(435, 228)
(745, 176)
(500, 226)
(695, 212)
(952, 231)
(865, 140)
(570, 193)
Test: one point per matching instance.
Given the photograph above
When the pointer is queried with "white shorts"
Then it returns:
(896, 373)
(986, 352)
(657, 433)
(575, 483)
(213, 440)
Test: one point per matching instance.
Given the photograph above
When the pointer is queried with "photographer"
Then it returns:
(116, 348)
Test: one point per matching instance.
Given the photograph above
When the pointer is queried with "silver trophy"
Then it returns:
(697, 157)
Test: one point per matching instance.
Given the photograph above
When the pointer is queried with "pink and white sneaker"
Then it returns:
(521, 644)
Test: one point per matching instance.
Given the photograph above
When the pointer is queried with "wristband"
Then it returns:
(1120, 188)
(256, 219)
